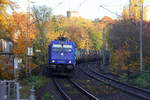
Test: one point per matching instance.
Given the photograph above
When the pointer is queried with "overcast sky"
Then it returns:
(89, 9)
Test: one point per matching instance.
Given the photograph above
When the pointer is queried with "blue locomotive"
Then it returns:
(62, 55)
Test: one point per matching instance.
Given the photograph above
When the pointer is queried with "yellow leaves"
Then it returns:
(52, 35)
(79, 21)
(3, 20)
(77, 29)
(32, 36)
(125, 13)
(84, 44)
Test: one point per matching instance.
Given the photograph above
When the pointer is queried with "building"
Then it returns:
(71, 14)
(6, 45)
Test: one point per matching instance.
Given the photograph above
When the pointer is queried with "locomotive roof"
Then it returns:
(62, 39)
(58, 41)
(62, 42)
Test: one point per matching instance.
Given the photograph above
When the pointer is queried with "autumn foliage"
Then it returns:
(125, 46)
(24, 33)
(38, 28)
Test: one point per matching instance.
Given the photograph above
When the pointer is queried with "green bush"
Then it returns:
(47, 96)
(27, 83)
(141, 80)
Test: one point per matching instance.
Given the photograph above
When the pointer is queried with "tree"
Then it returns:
(42, 17)
(124, 37)
(133, 11)
(85, 33)
(5, 18)
(23, 33)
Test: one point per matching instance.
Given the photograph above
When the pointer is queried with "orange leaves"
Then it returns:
(24, 32)
(23, 26)
(20, 46)
(4, 1)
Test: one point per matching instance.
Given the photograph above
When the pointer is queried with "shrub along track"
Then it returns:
(139, 93)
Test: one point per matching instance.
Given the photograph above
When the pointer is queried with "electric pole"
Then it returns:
(104, 44)
(28, 18)
(130, 13)
(141, 36)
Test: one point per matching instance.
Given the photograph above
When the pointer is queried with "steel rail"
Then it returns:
(134, 87)
(63, 93)
(116, 84)
(92, 97)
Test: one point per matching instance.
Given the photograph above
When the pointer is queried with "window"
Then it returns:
(57, 46)
(61, 48)
(67, 46)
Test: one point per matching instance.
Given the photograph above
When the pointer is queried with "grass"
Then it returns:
(101, 89)
(48, 96)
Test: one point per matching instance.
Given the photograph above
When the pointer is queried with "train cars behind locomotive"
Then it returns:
(88, 55)
(85, 56)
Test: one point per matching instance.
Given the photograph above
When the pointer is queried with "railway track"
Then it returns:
(66, 86)
(144, 95)
(62, 92)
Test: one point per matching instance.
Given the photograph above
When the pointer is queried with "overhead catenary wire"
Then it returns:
(60, 3)
(81, 4)
(110, 11)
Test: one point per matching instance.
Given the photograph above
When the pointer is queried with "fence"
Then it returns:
(9, 90)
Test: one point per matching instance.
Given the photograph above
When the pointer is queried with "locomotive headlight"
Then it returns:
(69, 62)
(53, 61)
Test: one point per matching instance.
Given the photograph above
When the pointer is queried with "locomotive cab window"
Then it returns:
(67, 48)
(61, 47)
(56, 47)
